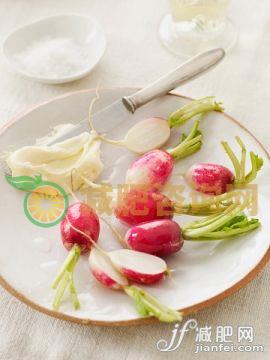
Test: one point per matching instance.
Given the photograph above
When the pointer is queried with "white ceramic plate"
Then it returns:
(83, 30)
(204, 272)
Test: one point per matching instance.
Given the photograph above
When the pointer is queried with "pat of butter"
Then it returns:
(57, 162)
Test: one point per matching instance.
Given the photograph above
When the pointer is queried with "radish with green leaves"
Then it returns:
(216, 179)
(154, 132)
(165, 237)
(138, 206)
(104, 270)
(154, 168)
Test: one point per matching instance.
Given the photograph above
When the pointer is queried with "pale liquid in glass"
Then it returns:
(188, 10)
(194, 26)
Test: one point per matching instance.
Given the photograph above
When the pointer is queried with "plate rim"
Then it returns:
(139, 321)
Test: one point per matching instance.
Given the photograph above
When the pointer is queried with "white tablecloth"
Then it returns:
(134, 57)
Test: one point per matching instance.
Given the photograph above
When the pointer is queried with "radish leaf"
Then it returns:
(241, 178)
(230, 223)
(208, 206)
(188, 145)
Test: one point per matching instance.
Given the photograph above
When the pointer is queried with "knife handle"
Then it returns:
(188, 70)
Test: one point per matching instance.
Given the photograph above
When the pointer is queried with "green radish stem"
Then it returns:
(243, 160)
(245, 226)
(256, 165)
(211, 205)
(67, 263)
(189, 144)
(73, 293)
(147, 305)
(241, 178)
(65, 278)
(209, 220)
(195, 107)
(60, 291)
(229, 223)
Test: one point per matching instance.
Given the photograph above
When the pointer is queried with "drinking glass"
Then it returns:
(194, 26)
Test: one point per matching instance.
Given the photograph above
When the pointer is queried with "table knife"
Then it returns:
(124, 108)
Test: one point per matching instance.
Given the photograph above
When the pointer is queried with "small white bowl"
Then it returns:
(81, 29)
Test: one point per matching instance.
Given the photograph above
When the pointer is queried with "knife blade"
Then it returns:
(103, 120)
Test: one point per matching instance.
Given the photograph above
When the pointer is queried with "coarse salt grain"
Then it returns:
(53, 58)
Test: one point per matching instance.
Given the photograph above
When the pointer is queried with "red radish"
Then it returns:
(158, 237)
(139, 206)
(137, 266)
(153, 168)
(79, 230)
(210, 178)
(104, 272)
(82, 217)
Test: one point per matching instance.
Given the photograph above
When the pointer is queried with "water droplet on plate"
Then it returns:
(42, 244)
